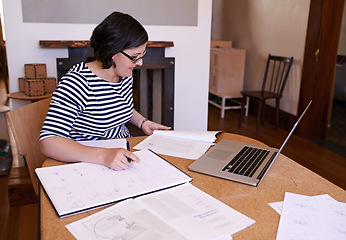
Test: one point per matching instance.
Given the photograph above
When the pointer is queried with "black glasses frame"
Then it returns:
(134, 60)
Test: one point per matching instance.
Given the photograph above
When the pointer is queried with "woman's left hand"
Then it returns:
(148, 127)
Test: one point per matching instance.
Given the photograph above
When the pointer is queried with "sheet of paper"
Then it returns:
(109, 143)
(178, 145)
(305, 217)
(201, 136)
(334, 219)
(277, 206)
(76, 187)
(125, 220)
(182, 212)
(187, 205)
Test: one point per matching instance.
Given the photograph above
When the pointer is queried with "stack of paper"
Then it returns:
(182, 212)
(184, 144)
(305, 217)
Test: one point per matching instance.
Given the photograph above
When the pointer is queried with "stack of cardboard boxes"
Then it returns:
(36, 82)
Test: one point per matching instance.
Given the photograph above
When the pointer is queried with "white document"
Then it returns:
(305, 217)
(81, 186)
(277, 206)
(109, 143)
(125, 220)
(184, 144)
(182, 212)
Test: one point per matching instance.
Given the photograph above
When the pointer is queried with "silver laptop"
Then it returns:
(238, 161)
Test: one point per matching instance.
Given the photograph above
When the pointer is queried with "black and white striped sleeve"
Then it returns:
(69, 99)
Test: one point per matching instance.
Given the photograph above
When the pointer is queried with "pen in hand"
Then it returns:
(128, 148)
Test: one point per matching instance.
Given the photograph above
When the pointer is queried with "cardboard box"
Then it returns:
(21, 83)
(34, 88)
(227, 66)
(49, 84)
(220, 44)
(35, 71)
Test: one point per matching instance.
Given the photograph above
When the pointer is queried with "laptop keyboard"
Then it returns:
(247, 161)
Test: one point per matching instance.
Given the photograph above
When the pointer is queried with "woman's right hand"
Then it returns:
(118, 158)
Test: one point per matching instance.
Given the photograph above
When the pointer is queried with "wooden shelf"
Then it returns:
(22, 96)
(86, 44)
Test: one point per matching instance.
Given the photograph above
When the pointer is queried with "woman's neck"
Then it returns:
(106, 74)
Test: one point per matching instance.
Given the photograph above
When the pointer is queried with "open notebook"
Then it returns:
(238, 161)
(77, 187)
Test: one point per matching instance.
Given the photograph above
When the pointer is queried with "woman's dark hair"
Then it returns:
(117, 32)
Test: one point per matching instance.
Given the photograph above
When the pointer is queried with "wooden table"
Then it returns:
(285, 175)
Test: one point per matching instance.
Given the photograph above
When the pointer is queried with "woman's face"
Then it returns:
(127, 60)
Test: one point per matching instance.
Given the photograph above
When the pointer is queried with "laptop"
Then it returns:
(238, 161)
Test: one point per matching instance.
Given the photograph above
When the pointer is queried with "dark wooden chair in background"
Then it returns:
(275, 77)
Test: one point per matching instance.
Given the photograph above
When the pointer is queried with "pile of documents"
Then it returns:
(155, 201)
(305, 217)
(179, 213)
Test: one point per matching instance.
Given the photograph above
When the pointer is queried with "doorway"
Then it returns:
(335, 139)
(318, 77)
(323, 33)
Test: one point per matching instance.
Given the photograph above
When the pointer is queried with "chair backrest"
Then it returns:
(276, 73)
(25, 123)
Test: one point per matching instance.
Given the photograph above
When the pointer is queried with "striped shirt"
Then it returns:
(86, 107)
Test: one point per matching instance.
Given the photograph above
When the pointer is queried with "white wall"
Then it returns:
(191, 51)
(262, 27)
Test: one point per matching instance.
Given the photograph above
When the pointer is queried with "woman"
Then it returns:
(93, 101)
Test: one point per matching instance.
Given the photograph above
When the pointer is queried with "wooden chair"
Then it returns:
(275, 77)
(26, 123)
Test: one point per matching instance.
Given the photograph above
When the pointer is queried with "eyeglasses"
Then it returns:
(133, 58)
